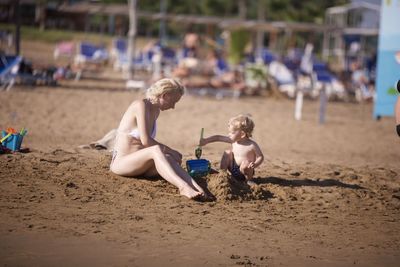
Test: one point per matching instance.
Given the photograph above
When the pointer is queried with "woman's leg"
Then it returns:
(184, 175)
(179, 171)
(145, 159)
(152, 172)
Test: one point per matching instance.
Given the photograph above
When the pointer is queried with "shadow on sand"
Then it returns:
(305, 182)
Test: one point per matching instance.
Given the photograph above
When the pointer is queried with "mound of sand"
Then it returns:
(224, 187)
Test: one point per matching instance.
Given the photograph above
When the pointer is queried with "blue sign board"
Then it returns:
(388, 65)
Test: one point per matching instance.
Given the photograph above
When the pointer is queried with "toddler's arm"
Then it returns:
(215, 138)
(259, 156)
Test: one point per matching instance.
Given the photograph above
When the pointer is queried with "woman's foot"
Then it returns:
(206, 196)
(191, 193)
(199, 189)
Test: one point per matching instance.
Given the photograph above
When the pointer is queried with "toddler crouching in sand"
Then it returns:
(245, 155)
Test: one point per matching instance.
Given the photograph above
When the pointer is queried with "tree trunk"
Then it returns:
(242, 9)
(163, 28)
(131, 36)
(40, 14)
(260, 32)
(17, 17)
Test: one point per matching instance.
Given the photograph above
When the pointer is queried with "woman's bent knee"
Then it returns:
(157, 149)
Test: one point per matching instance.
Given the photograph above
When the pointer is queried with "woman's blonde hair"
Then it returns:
(163, 86)
(242, 122)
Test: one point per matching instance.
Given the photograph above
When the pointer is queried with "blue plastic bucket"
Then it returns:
(13, 142)
(198, 167)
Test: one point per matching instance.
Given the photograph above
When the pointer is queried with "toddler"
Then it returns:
(245, 155)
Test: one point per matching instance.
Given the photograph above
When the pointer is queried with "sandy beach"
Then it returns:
(327, 195)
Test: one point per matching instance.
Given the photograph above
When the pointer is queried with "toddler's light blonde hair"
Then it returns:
(163, 86)
(242, 122)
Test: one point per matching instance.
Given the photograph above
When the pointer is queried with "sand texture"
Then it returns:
(327, 195)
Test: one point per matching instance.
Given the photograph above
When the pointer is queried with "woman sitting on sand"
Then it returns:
(137, 153)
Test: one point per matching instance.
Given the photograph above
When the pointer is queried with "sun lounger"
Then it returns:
(89, 56)
(8, 70)
(268, 56)
(64, 49)
(119, 46)
(90, 53)
(119, 54)
(323, 77)
(283, 77)
(144, 60)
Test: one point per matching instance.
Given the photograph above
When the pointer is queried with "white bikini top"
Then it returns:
(135, 132)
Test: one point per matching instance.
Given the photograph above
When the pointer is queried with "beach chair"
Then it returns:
(90, 53)
(325, 79)
(143, 61)
(64, 49)
(293, 65)
(221, 67)
(8, 71)
(169, 57)
(89, 56)
(321, 74)
(119, 55)
(119, 46)
(283, 77)
(267, 56)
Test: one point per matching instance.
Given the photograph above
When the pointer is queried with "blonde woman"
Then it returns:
(136, 151)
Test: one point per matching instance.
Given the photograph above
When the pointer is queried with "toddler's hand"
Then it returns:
(251, 165)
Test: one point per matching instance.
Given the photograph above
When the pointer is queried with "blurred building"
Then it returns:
(353, 28)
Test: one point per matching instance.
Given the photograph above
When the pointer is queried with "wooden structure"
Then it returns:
(357, 21)
(341, 21)
(276, 29)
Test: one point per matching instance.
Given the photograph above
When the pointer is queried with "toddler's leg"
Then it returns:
(248, 172)
(226, 160)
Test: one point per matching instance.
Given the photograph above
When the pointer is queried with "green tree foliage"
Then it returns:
(278, 10)
(239, 39)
